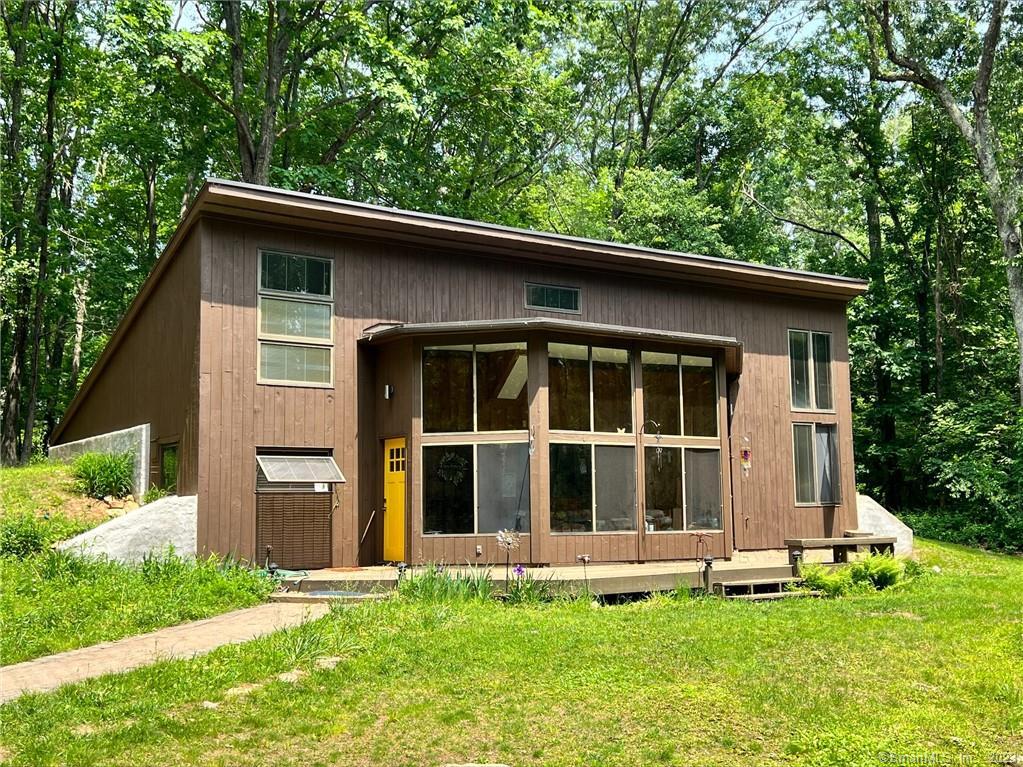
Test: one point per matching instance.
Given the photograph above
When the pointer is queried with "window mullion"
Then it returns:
(593, 488)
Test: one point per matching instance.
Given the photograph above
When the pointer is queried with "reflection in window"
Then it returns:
(447, 388)
(661, 395)
(615, 480)
(503, 487)
(664, 510)
(169, 467)
(799, 368)
(612, 391)
(822, 370)
(827, 463)
(501, 372)
(703, 489)
(448, 476)
(699, 397)
(571, 489)
(569, 386)
(802, 437)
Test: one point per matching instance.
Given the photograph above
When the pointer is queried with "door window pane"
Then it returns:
(803, 453)
(503, 487)
(293, 363)
(280, 317)
(661, 393)
(612, 391)
(571, 489)
(447, 489)
(822, 370)
(447, 388)
(703, 489)
(501, 387)
(827, 464)
(569, 387)
(699, 397)
(664, 489)
(615, 479)
(799, 368)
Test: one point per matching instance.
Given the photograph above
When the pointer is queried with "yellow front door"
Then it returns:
(394, 500)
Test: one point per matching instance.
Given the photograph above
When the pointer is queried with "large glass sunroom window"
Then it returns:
(679, 394)
(590, 388)
(593, 488)
(296, 312)
(475, 486)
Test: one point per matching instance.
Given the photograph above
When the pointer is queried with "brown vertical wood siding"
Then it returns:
(153, 376)
(377, 283)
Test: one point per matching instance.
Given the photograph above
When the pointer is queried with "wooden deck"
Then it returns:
(604, 579)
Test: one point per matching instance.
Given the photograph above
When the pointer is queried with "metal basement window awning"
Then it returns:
(296, 469)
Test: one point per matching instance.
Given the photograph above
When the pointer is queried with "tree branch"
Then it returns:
(802, 225)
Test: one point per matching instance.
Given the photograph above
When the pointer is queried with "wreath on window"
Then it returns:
(452, 468)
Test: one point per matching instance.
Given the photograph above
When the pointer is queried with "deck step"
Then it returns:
(343, 597)
(757, 582)
(774, 595)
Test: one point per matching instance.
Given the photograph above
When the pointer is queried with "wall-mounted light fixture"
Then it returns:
(388, 391)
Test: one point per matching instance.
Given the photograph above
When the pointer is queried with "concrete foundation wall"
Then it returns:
(134, 439)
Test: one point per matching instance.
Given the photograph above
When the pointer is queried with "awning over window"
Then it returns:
(293, 469)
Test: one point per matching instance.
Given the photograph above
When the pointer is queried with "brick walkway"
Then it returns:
(184, 641)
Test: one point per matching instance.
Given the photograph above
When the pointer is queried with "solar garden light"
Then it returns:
(402, 567)
(797, 562)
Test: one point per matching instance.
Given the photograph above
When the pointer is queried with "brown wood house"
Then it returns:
(621, 402)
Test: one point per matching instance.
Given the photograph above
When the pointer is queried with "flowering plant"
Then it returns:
(519, 571)
(508, 540)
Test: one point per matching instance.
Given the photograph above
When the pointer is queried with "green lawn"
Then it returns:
(51, 601)
(931, 667)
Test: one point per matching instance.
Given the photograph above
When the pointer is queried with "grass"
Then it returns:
(53, 601)
(927, 669)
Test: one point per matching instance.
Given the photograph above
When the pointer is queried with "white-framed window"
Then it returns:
(810, 370)
(475, 488)
(553, 298)
(815, 457)
(296, 319)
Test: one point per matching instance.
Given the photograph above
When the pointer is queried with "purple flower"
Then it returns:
(519, 571)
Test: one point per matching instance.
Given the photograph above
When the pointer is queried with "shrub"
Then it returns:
(874, 573)
(21, 535)
(102, 474)
(154, 493)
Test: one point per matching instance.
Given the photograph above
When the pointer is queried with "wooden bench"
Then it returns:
(841, 547)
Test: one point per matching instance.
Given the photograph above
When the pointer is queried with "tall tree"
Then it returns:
(914, 38)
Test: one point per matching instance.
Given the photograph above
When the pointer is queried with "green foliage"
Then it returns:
(21, 535)
(874, 573)
(527, 589)
(54, 600)
(101, 474)
(154, 493)
(434, 583)
(474, 677)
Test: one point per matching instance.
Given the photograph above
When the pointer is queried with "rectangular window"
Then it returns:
(683, 496)
(571, 488)
(503, 487)
(448, 489)
(475, 388)
(568, 380)
(815, 453)
(612, 391)
(662, 402)
(501, 373)
(296, 318)
(447, 388)
(699, 397)
(169, 467)
(593, 487)
(703, 489)
(615, 485)
(590, 389)
(555, 298)
(810, 370)
(475, 489)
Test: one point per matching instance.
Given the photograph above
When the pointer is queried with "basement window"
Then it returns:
(297, 472)
(553, 298)
(296, 319)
